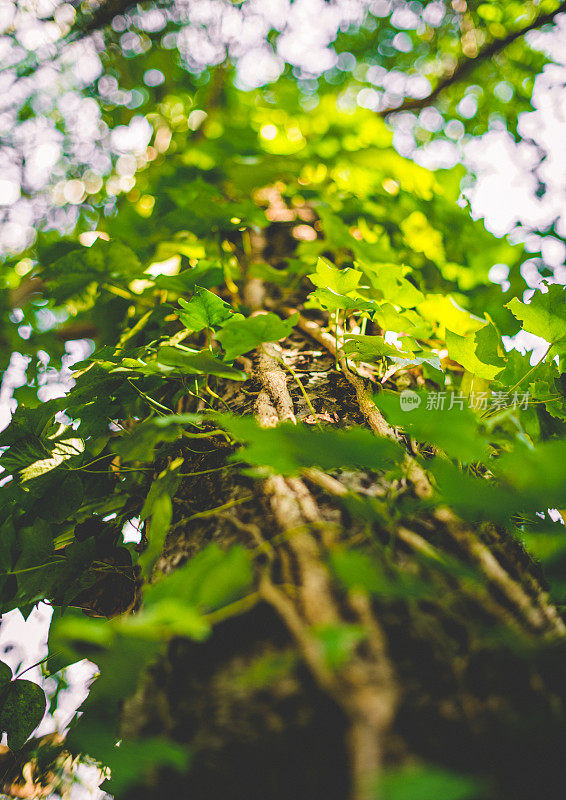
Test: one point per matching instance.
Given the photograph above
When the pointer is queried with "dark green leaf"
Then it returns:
(240, 335)
(22, 708)
(204, 310)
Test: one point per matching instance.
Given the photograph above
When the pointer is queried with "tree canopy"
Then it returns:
(199, 222)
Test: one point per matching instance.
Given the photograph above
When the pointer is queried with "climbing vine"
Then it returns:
(273, 260)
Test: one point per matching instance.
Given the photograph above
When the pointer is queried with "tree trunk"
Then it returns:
(467, 678)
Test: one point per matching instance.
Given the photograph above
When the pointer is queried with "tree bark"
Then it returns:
(468, 679)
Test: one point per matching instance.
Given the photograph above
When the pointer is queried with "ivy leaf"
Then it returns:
(30, 422)
(198, 363)
(444, 310)
(337, 642)
(545, 315)
(419, 360)
(289, 448)
(61, 451)
(22, 708)
(240, 335)
(370, 348)
(62, 499)
(332, 301)
(36, 542)
(517, 367)
(211, 579)
(204, 310)
(205, 273)
(473, 498)
(37, 572)
(5, 675)
(538, 476)
(229, 580)
(389, 279)
(471, 350)
(489, 345)
(452, 426)
(81, 269)
(339, 281)
(137, 760)
(169, 617)
(7, 542)
(409, 322)
(358, 571)
(158, 505)
(421, 783)
(139, 443)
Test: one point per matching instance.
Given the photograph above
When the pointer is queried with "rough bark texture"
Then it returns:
(433, 680)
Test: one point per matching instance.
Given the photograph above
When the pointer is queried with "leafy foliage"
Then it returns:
(402, 290)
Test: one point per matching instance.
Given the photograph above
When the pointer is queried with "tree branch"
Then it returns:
(464, 67)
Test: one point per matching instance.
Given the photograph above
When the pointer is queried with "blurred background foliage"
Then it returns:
(95, 94)
(84, 87)
(142, 147)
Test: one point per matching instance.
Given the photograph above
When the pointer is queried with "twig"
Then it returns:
(303, 391)
(373, 415)
(274, 382)
(464, 67)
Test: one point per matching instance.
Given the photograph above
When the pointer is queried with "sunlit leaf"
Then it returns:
(545, 315)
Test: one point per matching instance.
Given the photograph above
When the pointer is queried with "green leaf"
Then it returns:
(545, 315)
(240, 335)
(61, 500)
(229, 580)
(444, 310)
(426, 783)
(5, 675)
(139, 443)
(36, 542)
(205, 273)
(61, 450)
(165, 619)
(390, 281)
(35, 568)
(449, 423)
(22, 708)
(358, 571)
(337, 642)
(537, 475)
(75, 272)
(471, 350)
(210, 580)
(332, 301)
(517, 367)
(159, 506)
(7, 542)
(289, 448)
(204, 310)
(200, 363)
(409, 322)
(419, 360)
(372, 348)
(161, 516)
(473, 498)
(339, 281)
